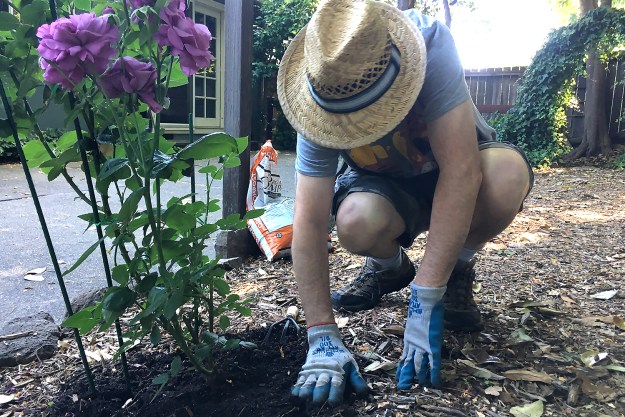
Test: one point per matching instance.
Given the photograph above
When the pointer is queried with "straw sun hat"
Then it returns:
(352, 74)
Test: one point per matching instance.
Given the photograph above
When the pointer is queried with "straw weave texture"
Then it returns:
(349, 130)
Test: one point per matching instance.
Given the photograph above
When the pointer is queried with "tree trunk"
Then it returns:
(596, 137)
(405, 4)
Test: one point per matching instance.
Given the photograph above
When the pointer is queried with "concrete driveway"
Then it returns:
(24, 248)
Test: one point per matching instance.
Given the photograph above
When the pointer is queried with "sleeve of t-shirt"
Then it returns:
(444, 86)
(315, 160)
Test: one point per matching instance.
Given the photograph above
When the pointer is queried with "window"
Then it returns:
(203, 96)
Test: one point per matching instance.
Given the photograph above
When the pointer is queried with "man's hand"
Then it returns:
(329, 367)
(423, 339)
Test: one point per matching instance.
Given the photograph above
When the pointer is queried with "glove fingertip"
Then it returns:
(356, 380)
(406, 375)
(435, 378)
(335, 397)
(295, 391)
(398, 373)
(306, 392)
(423, 372)
(320, 394)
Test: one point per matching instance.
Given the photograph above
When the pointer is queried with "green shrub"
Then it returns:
(619, 161)
(537, 121)
(8, 151)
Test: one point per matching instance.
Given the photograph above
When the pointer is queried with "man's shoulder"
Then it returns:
(426, 24)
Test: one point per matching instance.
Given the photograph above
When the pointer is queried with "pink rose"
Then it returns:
(129, 75)
(188, 40)
(73, 46)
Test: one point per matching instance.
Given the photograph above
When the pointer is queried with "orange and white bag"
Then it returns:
(273, 231)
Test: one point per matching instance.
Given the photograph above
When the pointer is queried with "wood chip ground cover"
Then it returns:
(550, 288)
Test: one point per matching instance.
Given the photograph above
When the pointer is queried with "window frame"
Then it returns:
(203, 124)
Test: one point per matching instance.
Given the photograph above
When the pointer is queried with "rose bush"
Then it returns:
(111, 68)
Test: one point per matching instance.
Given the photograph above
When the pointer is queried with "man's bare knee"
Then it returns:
(364, 220)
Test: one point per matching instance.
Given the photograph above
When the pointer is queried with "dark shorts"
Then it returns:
(411, 197)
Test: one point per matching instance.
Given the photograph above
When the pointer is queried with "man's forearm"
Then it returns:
(313, 199)
(452, 211)
(310, 264)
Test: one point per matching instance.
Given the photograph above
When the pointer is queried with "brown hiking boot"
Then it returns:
(364, 291)
(461, 312)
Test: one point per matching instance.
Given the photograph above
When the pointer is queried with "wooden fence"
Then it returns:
(494, 90)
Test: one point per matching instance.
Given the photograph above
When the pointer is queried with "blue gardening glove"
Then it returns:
(423, 339)
(329, 367)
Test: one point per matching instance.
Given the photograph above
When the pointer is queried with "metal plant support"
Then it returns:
(59, 275)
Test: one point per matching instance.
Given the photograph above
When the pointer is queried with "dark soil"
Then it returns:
(248, 382)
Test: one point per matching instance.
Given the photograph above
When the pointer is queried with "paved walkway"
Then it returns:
(24, 247)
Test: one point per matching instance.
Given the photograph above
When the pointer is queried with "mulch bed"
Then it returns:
(550, 288)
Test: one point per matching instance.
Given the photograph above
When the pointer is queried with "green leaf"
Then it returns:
(176, 301)
(231, 344)
(58, 164)
(156, 299)
(209, 146)
(160, 379)
(221, 286)
(210, 338)
(35, 13)
(8, 21)
(241, 144)
(224, 323)
(114, 169)
(176, 366)
(130, 205)
(66, 141)
(117, 299)
(177, 78)
(147, 283)
(232, 162)
(254, 213)
(243, 310)
(84, 256)
(35, 153)
(177, 218)
(155, 335)
(84, 5)
(120, 275)
(204, 352)
(86, 319)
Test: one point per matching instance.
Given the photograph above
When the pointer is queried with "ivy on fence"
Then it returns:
(537, 121)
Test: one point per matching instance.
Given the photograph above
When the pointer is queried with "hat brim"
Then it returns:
(361, 127)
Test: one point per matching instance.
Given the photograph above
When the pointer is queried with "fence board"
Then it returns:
(494, 90)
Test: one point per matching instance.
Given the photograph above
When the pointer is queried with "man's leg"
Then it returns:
(506, 180)
(367, 224)
(374, 216)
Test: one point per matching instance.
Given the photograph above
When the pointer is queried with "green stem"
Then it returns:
(211, 306)
(176, 331)
(96, 217)
(42, 138)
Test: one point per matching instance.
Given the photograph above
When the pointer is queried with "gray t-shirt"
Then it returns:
(405, 152)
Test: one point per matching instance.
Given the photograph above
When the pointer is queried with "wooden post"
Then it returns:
(238, 90)
(239, 16)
